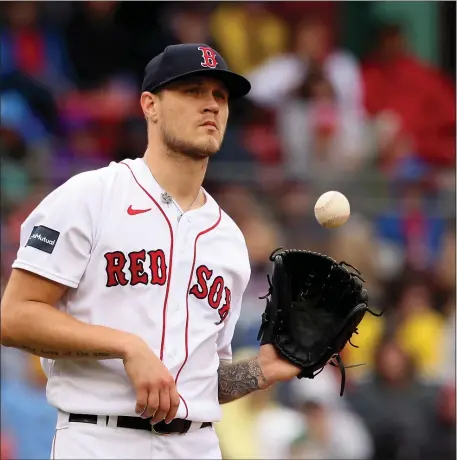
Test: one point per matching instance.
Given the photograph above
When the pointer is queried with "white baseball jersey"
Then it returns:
(132, 265)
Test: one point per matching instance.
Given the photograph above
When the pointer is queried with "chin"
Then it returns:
(208, 147)
(199, 151)
(208, 151)
(197, 148)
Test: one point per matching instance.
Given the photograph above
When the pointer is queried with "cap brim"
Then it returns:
(236, 85)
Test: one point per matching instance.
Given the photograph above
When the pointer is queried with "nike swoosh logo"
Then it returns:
(132, 212)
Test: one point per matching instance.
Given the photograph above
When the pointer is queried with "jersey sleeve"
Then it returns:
(57, 237)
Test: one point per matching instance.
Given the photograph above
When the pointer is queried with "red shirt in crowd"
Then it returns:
(422, 97)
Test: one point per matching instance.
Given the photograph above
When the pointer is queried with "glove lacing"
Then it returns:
(337, 356)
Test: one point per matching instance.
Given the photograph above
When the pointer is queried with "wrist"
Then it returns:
(129, 345)
(266, 378)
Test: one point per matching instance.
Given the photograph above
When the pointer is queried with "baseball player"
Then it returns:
(129, 279)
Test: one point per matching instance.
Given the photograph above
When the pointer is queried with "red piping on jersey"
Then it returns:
(187, 298)
(170, 262)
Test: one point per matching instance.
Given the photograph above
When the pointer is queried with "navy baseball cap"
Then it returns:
(178, 61)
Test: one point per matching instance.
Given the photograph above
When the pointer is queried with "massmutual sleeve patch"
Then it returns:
(43, 238)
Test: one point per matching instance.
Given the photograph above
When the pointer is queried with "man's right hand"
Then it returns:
(156, 393)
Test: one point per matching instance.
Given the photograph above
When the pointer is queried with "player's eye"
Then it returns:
(220, 95)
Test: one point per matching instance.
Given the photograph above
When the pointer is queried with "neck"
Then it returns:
(180, 176)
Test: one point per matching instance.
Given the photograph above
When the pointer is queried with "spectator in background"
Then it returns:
(358, 233)
(419, 329)
(447, 372)
(103, 54)
(187, 24)
(412, 227)
(275, 80)
(399, 410)
(95, 26)
(259, 137)
(80, 152)
(293, 12)
(33, 49)
(130, 139)
(294, 207)
(414, 102)
(238, 199)
(17, 117)
(329, 429)
(14, 174)
(247, 34)
(28, 107)
(320, 135)
(190, 25)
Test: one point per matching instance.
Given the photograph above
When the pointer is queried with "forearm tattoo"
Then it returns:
(54, 354)
(239, 379)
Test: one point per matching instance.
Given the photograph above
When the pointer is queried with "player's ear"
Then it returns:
(149, 105)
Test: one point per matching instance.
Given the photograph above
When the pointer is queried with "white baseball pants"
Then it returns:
(88, 441)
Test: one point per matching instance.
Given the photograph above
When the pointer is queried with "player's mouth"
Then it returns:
(210, 124)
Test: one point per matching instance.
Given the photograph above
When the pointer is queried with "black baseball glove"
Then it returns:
(314, 306)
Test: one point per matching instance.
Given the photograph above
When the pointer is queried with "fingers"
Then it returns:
(153, 403)
(164, 405)
(141, 400)
(174, 404)
(157, 398)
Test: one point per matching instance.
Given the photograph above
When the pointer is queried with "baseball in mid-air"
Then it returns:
(332, 209)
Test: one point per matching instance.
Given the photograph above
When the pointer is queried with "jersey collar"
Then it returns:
(146, 179)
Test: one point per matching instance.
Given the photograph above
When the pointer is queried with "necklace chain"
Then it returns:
(167, 198)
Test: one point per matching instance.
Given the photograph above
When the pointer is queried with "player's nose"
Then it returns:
(211, 105)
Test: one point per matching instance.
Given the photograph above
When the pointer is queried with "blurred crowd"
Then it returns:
(379, 127)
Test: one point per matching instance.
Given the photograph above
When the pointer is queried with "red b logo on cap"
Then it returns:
(209, 57)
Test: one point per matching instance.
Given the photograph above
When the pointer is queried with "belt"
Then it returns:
(177, 426)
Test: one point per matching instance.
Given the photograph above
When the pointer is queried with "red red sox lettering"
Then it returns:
(214, 293)
(121, 273)
(116, 262)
